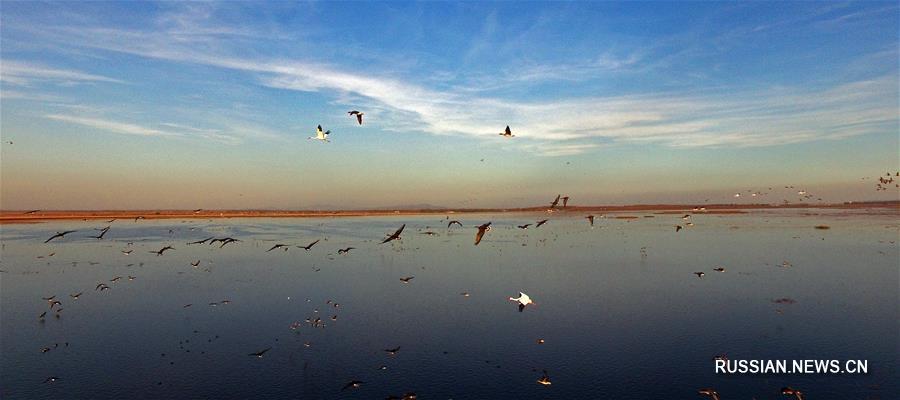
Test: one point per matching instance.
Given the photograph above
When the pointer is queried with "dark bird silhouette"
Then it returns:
(278, 246)
(309, 246)
(102, 232)
(392, 351)
(699, 274)
(394, 236)
(524, 226)
(49, 298)
(719, 269)
(454, 222)
(406, 279)
(259, 354)
(590, 219)
(347, 250)
(202, 241)
(55, 303)
(507, 133)
(101, 287)
(127, 252)
(195, 263)
(678, 228)
(51, 379)
(555, 202)
(162, 250)
(358, 115)
(481, 230)
(31, 212)
(352, 385)
(541, 222)
(225, 241)
(58, 235)
(711, 393)
(565, 200)
(43, 314)
(76, 295)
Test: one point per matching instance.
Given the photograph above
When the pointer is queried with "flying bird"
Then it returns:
(352, 385)
(195, 263)
(101, 287)
(541, 222)
(719, 269)
(711, 393)
(481, 230)
(524, 226)
(259, 354)
(224, 241)
(58, 235)
(555, 202)
(565, 201)
(320, 135)
(309, 246)
(590, 219)
(678, 228)
(203, 241)
(31, 212)
(507, 133)
(394, 236)
(278, 246)
(392, 351)
(163, 250)
(789, 391)
(454, 222)
(523, 300)
(358, 115)
(347, 250)
(407, 279)
(76, 295)
(102, 232)
(699, 274)
(544, 380)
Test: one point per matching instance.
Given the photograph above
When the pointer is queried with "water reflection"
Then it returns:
(618, 309)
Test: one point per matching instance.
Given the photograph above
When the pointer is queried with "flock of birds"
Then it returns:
(522, 300)
(322, 135)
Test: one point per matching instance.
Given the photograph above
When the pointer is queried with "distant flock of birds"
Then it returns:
(522, 301)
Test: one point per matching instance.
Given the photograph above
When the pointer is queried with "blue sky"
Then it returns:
(187, 105)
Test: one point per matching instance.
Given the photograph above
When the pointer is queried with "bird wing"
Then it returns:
(397, 234)
(359, 118)
(479, 235)
(508, 132)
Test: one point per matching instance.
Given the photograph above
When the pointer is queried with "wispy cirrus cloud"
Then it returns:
(124, 128)
(23, 73)
(764, 116)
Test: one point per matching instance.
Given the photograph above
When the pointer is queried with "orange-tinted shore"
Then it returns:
(21, 216)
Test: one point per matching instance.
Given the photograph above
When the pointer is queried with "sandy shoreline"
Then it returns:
(25, 216)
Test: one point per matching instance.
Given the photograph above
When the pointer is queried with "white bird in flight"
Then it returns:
(523, 300)
(320, 135)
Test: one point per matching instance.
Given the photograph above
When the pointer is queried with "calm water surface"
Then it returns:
(619, 309)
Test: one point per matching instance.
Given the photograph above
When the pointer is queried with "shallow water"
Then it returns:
(617, 322)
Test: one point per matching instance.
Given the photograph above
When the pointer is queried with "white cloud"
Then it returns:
(745, 118)
(112, 126)
(21, 73)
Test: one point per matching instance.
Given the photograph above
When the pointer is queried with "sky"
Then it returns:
(183, 105)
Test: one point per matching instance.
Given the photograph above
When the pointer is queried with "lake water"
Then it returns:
(619, 309)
